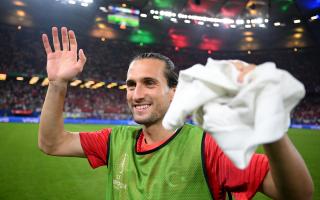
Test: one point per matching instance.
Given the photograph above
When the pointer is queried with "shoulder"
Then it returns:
(125, 128)
(192, 128)
(101, 134)
(122, 133)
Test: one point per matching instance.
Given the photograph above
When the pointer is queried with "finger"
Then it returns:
(245, 71)
(65, 40)
(239, 65)
(56, 42)
(73, 41)
(46, 44)
(82, 60)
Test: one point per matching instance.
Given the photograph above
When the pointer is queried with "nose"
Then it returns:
(138, 93)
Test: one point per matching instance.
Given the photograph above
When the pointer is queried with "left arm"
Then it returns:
(288, 177)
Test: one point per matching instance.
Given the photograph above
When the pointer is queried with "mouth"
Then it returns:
(141, 107)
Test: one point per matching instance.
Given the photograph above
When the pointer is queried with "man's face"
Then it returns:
(148, 93)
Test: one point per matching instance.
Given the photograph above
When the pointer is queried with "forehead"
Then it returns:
(147, 67)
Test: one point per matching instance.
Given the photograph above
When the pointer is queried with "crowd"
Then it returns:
(100, 103)
(21, 53)
(308, 112)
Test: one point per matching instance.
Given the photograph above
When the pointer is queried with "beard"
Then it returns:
(155, 115)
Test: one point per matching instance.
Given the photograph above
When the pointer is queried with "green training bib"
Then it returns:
(174, 170)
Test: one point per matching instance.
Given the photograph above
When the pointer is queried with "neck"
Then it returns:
(155, 133)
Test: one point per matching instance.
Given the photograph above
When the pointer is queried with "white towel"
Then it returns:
(240, 116)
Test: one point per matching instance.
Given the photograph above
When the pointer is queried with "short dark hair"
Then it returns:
(169, 73)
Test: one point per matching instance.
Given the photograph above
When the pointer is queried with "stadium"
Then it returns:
(112, 33)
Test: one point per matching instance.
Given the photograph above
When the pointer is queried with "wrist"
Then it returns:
(58, 83)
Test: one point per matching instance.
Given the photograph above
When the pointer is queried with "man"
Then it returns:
(153, 163)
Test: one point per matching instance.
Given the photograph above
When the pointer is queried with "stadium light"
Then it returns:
(200, 20)
(314, 17)
(88, 84)
(233, 26)
(277, 24)
(84, 3)
(97, 85)
(72, 2)
(103, 9)
(216, 25)
(3, 77)
(239, 21)
(143, 15)
(257, 21)
(123, 87)
(248, 33)
(227, 21)
(111, 85)
(297, 21)
(166, 13)
(34, 80)
(247, 26)
(297, 35)
(75, 83)
(182, 16)
(262, 25)
(19, 3)
(174, 20)
(45, 82)
(21, 13)
(156, 17)
(19, 78)
(249, 39)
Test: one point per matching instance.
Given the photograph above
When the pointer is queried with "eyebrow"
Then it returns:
(130, 81)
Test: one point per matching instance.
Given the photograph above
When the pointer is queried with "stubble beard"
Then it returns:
(150, 119)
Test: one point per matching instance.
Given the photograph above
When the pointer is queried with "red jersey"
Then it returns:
(222, 174)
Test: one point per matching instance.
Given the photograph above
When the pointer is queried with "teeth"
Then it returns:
(142, 107)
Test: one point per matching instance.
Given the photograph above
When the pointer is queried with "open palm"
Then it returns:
(63, 65)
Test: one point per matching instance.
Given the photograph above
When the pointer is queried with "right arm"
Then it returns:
(62, 66)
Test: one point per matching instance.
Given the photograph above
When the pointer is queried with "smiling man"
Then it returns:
(151, 162)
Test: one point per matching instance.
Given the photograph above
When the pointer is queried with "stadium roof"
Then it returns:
(216, 25)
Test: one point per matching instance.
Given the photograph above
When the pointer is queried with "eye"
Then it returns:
(149, 82)
(130, 85)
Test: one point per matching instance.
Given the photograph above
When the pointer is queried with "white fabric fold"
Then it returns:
(240, 116)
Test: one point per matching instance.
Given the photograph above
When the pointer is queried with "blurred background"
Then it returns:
(286, 32)
(112, 32)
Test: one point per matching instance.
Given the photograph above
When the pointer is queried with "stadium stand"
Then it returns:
(22, 54)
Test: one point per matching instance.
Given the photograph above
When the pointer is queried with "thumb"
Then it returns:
(82, 60)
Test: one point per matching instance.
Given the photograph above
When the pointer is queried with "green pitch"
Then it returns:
(28, 174)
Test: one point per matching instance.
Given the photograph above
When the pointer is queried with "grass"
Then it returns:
(26, 173)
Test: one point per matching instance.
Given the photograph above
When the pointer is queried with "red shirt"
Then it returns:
(222, 174)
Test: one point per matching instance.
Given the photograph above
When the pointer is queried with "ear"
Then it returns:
(172, 92)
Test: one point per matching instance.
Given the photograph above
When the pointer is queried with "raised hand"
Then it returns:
(243, 68)
(63, 64)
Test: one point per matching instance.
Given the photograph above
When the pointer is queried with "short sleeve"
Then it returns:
(95, 146)
(223, 176)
